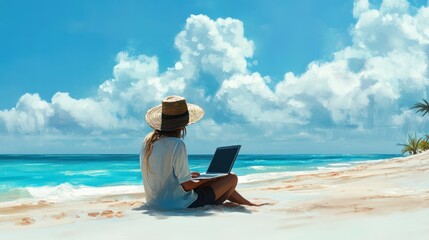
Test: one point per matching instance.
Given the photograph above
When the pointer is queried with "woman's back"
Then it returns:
(168, 168)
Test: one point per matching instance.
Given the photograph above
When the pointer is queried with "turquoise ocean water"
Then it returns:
(60, 177)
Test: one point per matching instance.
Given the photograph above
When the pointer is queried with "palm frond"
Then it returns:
(424, 145)
(422, 107)
(412, 146)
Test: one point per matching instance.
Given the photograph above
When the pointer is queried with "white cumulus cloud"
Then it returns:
(386, 64)
(31, 114)
(366, 86)
(217, 47)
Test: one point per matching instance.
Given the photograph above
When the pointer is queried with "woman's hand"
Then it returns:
(195, 174)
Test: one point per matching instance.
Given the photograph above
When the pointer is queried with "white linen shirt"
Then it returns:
(169, 167)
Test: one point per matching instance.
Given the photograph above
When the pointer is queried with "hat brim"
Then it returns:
(153, 115)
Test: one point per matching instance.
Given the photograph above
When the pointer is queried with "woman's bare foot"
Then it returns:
(233, 204)
(260, 204)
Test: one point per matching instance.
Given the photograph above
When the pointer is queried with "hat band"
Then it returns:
(176, 122)
(165, 116)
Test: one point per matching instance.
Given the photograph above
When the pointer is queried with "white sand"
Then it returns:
(382, 200)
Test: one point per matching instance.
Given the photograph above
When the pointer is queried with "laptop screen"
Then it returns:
(223, 159)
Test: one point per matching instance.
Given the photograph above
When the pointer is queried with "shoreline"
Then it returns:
(304, 205)
(67, 191)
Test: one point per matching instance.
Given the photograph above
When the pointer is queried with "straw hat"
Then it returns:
(173, 113)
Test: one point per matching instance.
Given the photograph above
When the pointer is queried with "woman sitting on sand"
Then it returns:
(167, 179)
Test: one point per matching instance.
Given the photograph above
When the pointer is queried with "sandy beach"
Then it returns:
(386, 199)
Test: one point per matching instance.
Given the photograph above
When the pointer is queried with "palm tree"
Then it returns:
(412, 146)
(421, 107)
(423, 145)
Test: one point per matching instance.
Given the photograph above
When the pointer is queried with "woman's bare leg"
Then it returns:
(237, 198)
(227, 194)
(224, 189)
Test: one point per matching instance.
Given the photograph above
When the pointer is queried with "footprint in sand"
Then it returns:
(126, 204)
(93, 214)
(44, 203)
(363, 209)
(107, 214)
(59, 216)
(119, 214)
(26, 221)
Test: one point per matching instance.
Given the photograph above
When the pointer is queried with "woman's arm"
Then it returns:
(192, 184)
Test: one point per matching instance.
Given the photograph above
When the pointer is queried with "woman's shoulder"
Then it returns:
(173, 140)
(172, 143)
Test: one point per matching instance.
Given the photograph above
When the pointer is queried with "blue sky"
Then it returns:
(71, 46)
(78, 76)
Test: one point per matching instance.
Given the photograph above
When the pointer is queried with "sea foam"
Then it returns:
(65, 192)
(92, 173)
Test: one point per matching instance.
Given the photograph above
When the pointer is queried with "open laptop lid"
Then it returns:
(224, 159)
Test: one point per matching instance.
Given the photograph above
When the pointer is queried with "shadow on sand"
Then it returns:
(194, 212)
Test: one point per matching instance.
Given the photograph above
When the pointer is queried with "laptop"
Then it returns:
(222, 162)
